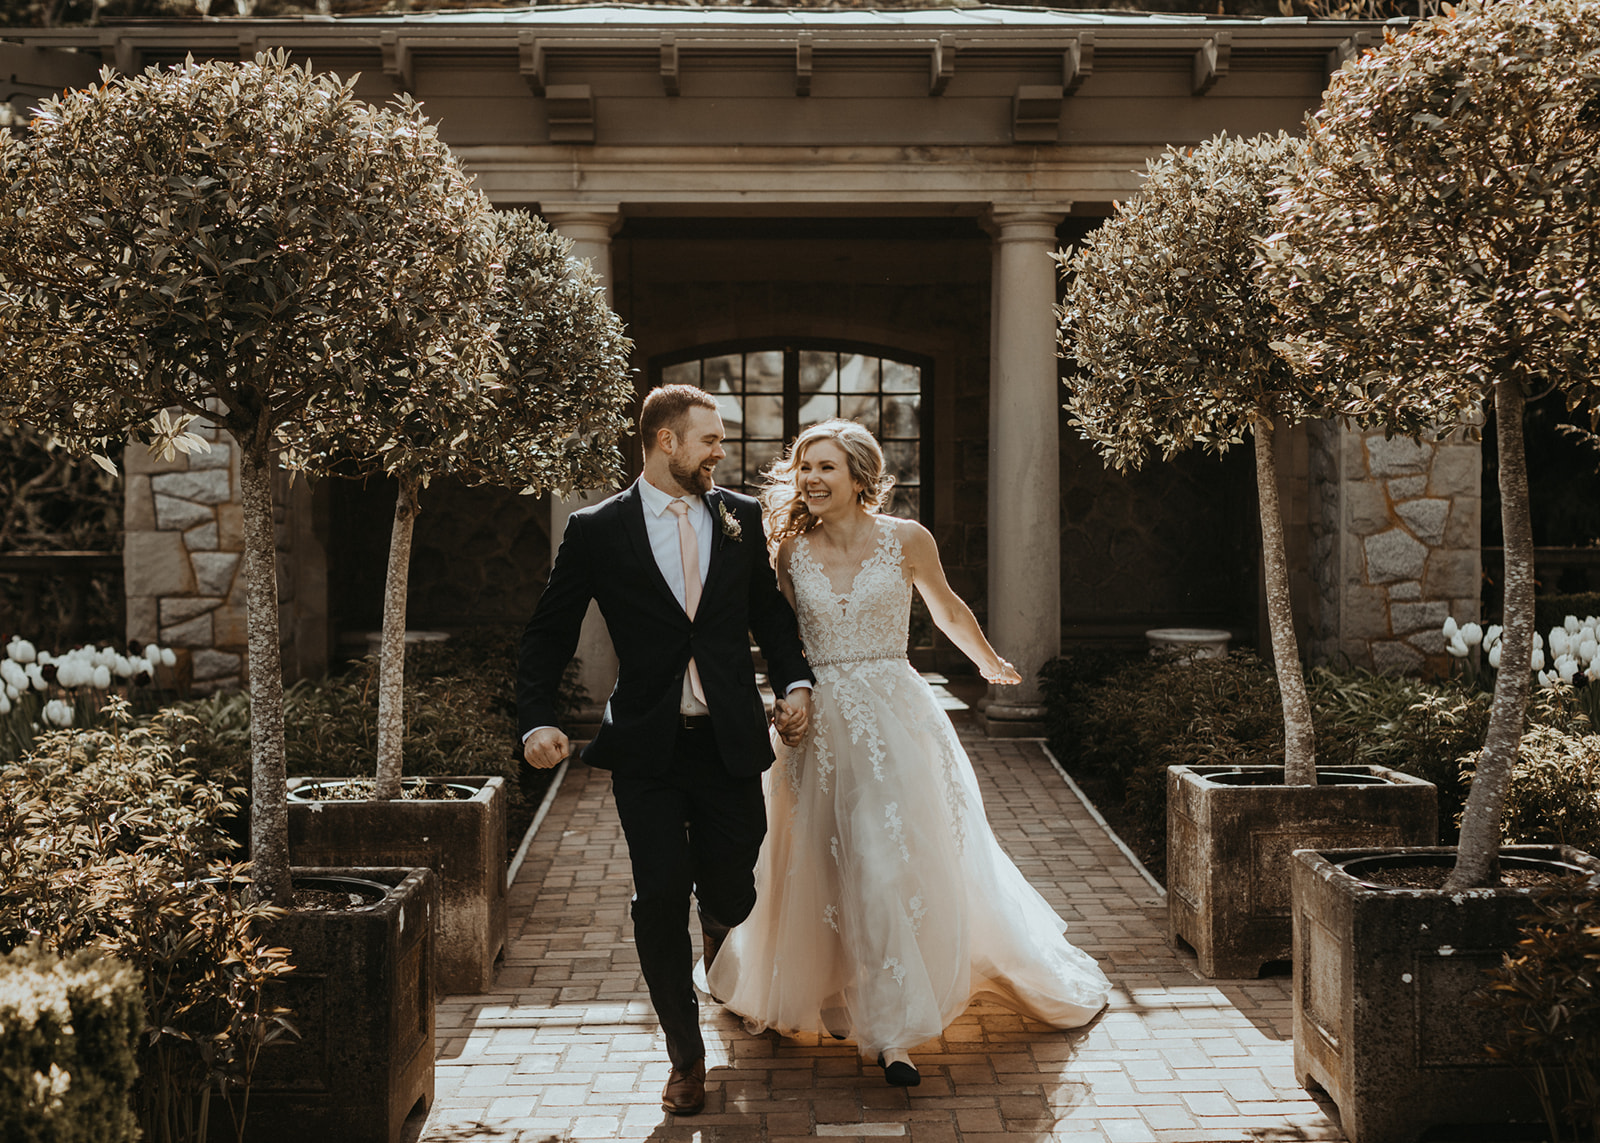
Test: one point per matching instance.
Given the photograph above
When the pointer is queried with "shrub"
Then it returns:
(107, 844)
(1555, 790)
(1548, 991)
(67, 1030)
(1551, 610)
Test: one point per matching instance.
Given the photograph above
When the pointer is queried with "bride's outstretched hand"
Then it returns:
(1005, 674)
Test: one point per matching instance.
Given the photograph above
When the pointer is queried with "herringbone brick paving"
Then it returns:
(566, 1046)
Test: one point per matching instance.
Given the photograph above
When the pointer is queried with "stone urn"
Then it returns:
(1231, 829)
(1383, 980)
(461, 837)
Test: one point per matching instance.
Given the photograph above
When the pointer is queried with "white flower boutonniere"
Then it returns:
(730, 523)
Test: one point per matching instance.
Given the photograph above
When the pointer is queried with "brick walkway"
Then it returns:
(566, 1046)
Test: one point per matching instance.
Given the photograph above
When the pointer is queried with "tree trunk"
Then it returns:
(392, 647)
(269, 792)
(1480, 822)
(1299, 737)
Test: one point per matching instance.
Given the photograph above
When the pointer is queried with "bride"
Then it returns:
(884, 903)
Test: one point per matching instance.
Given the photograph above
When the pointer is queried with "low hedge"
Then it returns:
(1117, 723)
(67, 1061)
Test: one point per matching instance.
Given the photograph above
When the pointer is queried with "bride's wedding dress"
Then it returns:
(884, 902)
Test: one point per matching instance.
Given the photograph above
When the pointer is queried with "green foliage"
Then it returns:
(1548, 991)
(244, 233)
(1552, 610)
(108, 843)
(1440, 232)
(1171, 333)
(1555, 789)
(67, 1031)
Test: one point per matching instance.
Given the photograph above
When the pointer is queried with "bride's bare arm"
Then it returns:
(949, 611)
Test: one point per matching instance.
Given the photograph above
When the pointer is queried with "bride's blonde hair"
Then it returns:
(783, 507)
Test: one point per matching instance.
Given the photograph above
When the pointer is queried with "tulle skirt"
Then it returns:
(884, 903)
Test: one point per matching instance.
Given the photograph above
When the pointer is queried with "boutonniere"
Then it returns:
(730, 523)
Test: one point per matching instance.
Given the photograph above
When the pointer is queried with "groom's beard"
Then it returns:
(691, 478)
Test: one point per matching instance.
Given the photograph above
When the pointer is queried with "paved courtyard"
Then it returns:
(566, 1047)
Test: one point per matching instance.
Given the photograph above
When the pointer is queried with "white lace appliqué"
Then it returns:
(896, 828)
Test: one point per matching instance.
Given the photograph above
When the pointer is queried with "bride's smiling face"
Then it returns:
(823, 478)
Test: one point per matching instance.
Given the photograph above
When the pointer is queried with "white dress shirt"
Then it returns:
(662, 528)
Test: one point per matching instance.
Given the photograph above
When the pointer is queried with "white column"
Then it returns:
(590, 227)
(1024, 462)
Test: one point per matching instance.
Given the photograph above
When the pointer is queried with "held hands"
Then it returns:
(545, 747)
(1003, 673)
(791, 715)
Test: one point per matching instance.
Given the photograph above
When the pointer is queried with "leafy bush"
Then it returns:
(1551, 610)
(108, 844)
(67, 1030)
(1548, 990)
(1555, 790)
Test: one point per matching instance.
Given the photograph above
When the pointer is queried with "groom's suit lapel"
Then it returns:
(639, 537)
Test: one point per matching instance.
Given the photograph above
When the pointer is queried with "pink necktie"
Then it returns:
(689, 549)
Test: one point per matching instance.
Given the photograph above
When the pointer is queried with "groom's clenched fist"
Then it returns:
(545, 747)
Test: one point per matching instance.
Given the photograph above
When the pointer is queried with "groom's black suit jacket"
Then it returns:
(605, 556)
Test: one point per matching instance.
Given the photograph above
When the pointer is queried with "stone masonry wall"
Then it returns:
(183, 555)
(1394, 536)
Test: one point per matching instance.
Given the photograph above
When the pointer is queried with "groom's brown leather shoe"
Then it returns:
(686, 1090)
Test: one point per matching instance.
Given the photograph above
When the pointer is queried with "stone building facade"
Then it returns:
(886, 184)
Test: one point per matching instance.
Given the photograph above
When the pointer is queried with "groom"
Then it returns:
(679, 569)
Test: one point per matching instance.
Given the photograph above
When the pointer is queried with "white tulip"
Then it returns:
(45, 658)
(1494, 656)
(1492, 636)
(1571, 623)
(1456, 647)
(58, 713)
(1547, 681)
(123, 667)
(1566, 666)
(21, 651)
(1471, 634)
(105, 657)
(69, 672)
(12, 674)
(35, 676)
(5, 703)
(1538, 659)
(168, 658)
(102, 678)
(1593, 673)
(1538, 640)
(1558, 641)
(1450, 627)
(1587, 650)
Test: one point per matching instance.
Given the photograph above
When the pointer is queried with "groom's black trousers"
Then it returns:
(696, 829)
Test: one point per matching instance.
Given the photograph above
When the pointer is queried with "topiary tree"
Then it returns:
(1439, 244)
(248, 243)
(1172, 336)
(548, 421)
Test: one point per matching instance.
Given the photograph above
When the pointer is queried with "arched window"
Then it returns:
(768, 391)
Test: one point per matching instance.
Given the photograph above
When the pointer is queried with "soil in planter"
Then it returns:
(1434, 877)
(309, 900)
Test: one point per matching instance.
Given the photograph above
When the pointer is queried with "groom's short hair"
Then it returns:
(667, 407)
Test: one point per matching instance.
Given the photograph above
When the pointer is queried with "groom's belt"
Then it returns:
(694, 721)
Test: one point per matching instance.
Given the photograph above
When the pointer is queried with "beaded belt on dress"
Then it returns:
(841, 660)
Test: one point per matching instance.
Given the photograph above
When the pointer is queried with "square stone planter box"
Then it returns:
(362, 1000)
(1383, 1020)
(1231, 829)
(462, 839)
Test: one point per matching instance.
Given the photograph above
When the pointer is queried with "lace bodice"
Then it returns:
(868, 622)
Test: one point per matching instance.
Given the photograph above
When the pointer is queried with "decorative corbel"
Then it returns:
(530, 60)
(1351, 48)
(1036, 113)
(397, 61)
(569, 107)
(669, 63)
(1211, 61)
(1077, 63)
(116, 51)
(943, 65)
(802, 64)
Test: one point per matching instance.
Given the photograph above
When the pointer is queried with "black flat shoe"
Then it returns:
(899, 1073)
